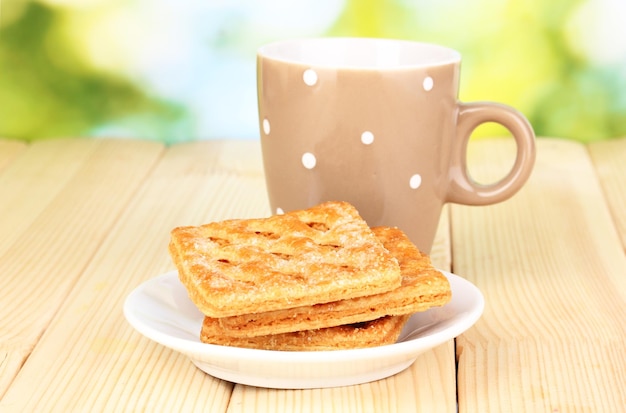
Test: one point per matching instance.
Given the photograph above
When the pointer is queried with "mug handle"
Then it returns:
(463, 189)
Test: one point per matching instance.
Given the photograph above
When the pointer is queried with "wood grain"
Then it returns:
(60, 198)
(552, 271)
(609, 158)
(83, 222)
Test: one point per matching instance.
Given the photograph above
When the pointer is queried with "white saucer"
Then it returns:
(161, 310)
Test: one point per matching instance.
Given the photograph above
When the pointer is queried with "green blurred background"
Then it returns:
(185, 70)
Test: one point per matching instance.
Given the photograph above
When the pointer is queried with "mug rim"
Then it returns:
(358, 53)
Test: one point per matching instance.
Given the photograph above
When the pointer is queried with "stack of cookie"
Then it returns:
(314, 279)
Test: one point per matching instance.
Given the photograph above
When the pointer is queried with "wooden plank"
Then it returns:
(192, 184)
(9, 150)
(429, 385)
(59, 200)
(551, 267)
(35, 179)
(609, 158)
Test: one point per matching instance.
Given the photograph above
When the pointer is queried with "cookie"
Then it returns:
(385, 330)
(322, 254)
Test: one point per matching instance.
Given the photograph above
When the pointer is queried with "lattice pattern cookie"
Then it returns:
(322, 254)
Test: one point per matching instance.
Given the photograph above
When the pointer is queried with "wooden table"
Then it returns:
(84, 221)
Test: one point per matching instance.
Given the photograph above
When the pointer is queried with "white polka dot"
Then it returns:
(279, 211)
(367, 137)
(428, 83)
(310, 77)
(415, 181)
(308, 160)
(266, 126)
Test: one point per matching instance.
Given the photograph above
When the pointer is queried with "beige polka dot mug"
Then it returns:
(376, 122)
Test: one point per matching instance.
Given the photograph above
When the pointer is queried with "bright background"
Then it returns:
(185, 70)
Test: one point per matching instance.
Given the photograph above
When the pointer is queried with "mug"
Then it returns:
(377, 123)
